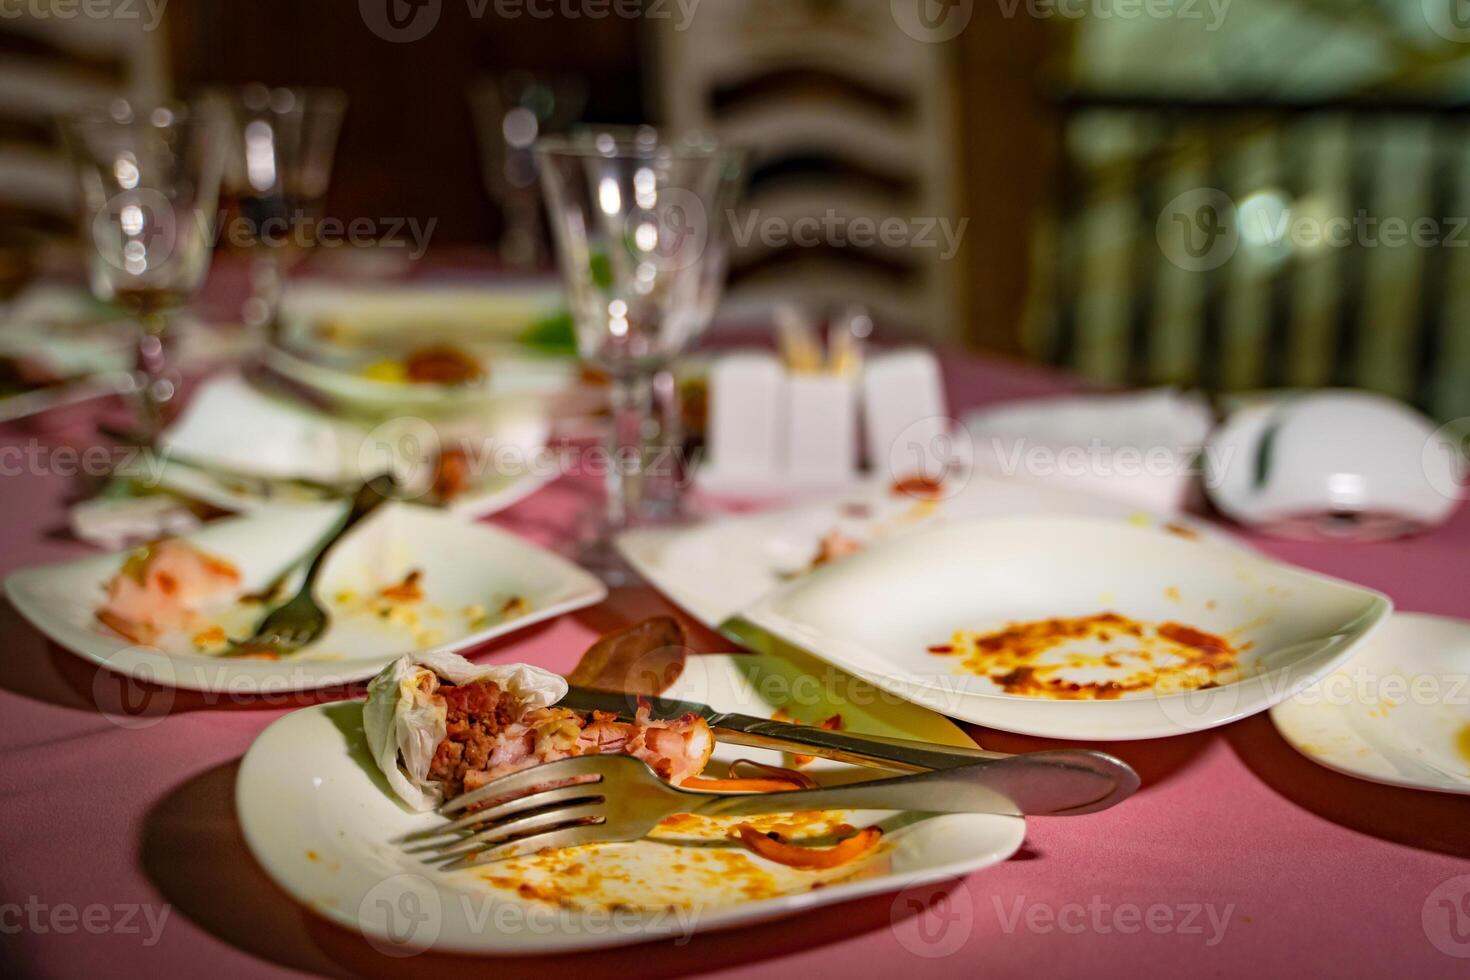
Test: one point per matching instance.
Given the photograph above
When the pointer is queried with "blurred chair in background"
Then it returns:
(51, 66)
(848, 118)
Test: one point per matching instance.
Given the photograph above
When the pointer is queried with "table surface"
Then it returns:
(1237, 857)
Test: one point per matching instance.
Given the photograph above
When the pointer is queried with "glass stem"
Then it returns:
(157, 383)
(267, 282)
(632, 405)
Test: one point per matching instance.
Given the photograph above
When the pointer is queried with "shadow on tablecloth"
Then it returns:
(193, 852)
(1418, 818)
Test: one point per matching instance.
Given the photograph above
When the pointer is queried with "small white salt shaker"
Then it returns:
(905, 418)
(821, 428)
(746, 429)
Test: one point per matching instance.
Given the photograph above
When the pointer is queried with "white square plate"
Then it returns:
(320, 819)
(1398, 713)
(469, 571)
(717, 568)
(877, 613)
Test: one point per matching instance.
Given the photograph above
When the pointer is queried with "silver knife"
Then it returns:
(1078, 766)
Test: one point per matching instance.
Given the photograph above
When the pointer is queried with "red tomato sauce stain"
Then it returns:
(1032, 658)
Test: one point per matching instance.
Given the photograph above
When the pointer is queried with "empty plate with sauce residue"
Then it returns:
(1073, 627)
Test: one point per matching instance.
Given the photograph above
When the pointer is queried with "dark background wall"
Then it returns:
(408, 144)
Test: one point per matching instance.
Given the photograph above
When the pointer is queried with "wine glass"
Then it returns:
(282, 142)
(511, 112)
(149, 181)
(637, 220)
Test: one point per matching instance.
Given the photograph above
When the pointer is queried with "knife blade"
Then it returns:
(1072, 773)
(902, 755)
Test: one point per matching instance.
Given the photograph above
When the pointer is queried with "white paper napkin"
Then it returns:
(1141, 447)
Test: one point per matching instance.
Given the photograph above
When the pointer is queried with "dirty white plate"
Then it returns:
(469, 572)
(319, 818)
(1397, 713)
(234, 441)
(717, 568)
(877, 614)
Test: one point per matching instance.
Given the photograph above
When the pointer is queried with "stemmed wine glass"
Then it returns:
(637, 220)
(511, 112)
(149, 180)
(281, 145)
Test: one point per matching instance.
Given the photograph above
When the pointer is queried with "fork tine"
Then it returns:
(564, 794)
(552, 838)
(516, 826)
(526, 780)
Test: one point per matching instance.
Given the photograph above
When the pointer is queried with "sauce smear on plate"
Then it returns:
(1097, 657)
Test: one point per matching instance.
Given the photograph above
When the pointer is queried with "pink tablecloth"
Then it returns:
(122, 856)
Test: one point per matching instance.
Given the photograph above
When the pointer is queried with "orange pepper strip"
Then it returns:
(740, 785)
(809, 858)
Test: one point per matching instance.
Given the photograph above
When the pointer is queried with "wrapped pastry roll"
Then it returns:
(439, 725)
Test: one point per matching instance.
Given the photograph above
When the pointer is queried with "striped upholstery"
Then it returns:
(846, 115)
(49, 66)
(1280, 310)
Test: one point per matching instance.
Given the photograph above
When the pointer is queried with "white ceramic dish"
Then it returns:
(554, 382)
(1397, 713)
(237, 428)
(469, 571)
(320, 819)
(877, 613)
(716, 569)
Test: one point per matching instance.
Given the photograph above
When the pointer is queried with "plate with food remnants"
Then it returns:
(1398, 713)
(325, 794)
(434, 349)
(240, 446)
(408, 578)
(717, 568)
(1074, 628)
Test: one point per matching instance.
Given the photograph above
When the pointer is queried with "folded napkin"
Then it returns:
(232, 424)
(1142, 448)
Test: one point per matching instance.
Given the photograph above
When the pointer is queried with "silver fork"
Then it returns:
(301, 619)
(600, 798)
